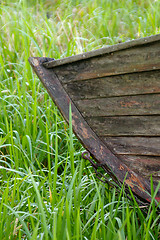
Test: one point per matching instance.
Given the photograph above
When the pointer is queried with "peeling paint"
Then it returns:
(121, 167)
(84, 131)
(129, 104)
(133, 181)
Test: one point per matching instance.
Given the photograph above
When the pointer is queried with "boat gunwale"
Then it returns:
(102, 51)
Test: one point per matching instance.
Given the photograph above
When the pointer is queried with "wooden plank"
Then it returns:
(125, 126)
(134, 145)
(143, 165)
(118, 106)
(122, 85)
(117, 47)
(138, 59)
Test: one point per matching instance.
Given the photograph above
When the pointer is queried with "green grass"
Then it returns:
(47, 191)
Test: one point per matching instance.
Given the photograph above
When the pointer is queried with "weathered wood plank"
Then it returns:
(143, 165)
(125, 126)
(128, 105)
(122, 85)
(117, 47)
(138, 59)
(134, 145)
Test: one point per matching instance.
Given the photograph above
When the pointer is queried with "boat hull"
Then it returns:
(115, 97)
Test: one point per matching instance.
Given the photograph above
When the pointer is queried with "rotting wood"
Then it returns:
(104, 76)
(125, 125)
(119, 106)
(90, 140)
(143, 165)
(121, 85)
(140, 59)
(134, 145)
(99, 52)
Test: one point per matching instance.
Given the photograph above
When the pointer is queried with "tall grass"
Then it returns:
(47, 191)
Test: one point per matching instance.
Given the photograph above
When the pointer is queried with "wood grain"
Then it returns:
(125, 126)
(137, 59)
(134, 145)
(118, 106)
(122, 85)
(109, 49)
(143, 165)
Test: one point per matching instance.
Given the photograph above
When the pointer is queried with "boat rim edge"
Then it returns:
(102, 51)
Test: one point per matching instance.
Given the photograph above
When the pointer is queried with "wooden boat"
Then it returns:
(114, 93)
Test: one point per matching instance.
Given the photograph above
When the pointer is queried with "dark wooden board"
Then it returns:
(122, 85)
(99, 52)
(143, 165)
(118, 106)
(137, 59)
(134, 145)
(125, 126)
